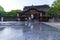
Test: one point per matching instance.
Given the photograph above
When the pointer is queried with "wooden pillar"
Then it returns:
(41, 16)
(2, 19)
(18, 17)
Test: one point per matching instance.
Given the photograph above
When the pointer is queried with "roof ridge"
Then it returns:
(36, 5)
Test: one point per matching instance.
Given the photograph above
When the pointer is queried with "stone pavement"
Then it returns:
(53, 24)
(28, 31)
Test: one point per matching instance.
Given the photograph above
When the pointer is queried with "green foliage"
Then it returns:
(56, 3)
(54, 9)
(2, 11)
(13, 13)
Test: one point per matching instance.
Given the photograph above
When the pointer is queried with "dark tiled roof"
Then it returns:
(21, 13)
(39, 8)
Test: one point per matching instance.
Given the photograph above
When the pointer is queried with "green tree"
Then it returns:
(13, 13)
(2, 12)
(54, 9)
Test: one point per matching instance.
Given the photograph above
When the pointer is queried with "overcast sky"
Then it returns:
(19, 4)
